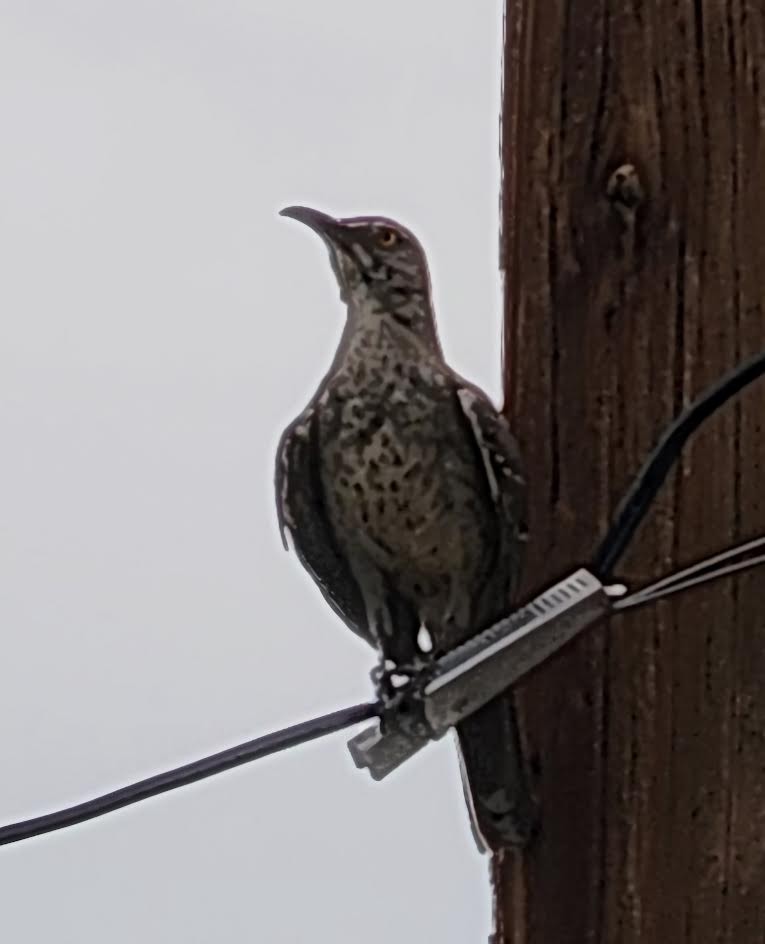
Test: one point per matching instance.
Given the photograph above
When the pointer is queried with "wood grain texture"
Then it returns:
(626, 295)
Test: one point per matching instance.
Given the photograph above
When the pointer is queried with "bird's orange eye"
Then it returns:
(388, 238)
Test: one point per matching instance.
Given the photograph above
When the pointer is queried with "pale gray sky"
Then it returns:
(160, 325)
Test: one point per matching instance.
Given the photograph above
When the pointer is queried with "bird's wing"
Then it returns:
(494, 774)
(302, 513)
(505, 480)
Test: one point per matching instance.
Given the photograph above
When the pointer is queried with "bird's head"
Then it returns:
(380, 266)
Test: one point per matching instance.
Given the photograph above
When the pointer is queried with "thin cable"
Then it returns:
(189, 773)
(708, 563)
(649, 595)
(655, 469)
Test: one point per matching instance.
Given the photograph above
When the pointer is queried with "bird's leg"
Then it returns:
(380, 624)
(402, 646)
(394, 625)
(379, 620)
(423, 655)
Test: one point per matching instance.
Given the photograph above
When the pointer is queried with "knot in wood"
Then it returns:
(624, 189)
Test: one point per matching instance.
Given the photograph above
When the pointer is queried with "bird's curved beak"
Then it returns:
(321, 223)
(334, 236)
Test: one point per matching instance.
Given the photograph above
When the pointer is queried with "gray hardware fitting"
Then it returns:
(468, 677)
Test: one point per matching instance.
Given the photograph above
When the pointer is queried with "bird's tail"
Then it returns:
(494, 778)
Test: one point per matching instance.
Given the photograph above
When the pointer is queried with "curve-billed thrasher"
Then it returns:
(400, 486)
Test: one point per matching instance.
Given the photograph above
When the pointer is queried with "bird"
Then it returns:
(400, 488)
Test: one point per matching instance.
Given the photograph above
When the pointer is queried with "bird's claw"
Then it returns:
(382, 679)
(388, 677)
(416, 666)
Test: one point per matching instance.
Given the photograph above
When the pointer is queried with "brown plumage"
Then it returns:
(401, 487)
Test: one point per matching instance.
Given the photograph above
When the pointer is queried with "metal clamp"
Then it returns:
(465, 679)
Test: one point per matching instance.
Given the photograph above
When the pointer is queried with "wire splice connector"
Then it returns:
(465, 679)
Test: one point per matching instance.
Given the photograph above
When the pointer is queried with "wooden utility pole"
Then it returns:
(633, 249)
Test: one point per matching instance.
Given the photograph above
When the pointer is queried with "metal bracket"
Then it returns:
(465, 679)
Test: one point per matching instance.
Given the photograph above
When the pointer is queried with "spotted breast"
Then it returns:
(400, 485)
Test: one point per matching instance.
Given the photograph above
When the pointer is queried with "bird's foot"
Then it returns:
(384, 677)
(388, 677)
(415, 666)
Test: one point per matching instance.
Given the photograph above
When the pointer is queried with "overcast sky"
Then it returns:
(160, 326)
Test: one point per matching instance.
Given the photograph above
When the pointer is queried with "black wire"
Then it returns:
(655, 469)
(629, 515)
(189, 773)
